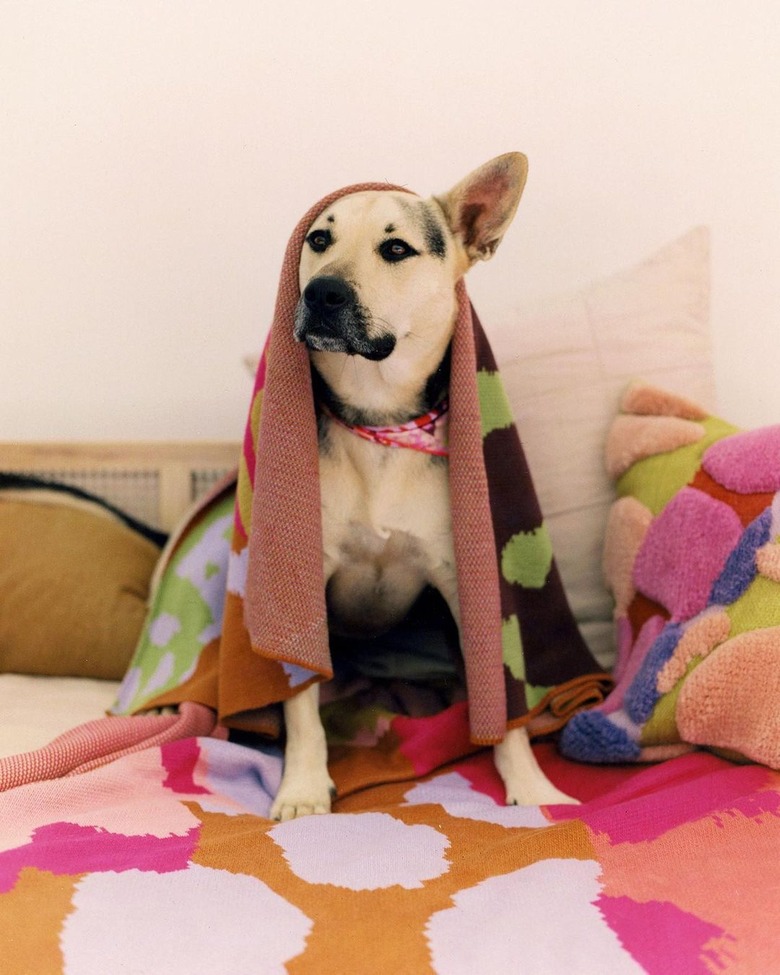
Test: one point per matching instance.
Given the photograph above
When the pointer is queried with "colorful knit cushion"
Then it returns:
(74, 578)
(692, 557)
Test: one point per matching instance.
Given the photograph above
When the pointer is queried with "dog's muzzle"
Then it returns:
(329, 318)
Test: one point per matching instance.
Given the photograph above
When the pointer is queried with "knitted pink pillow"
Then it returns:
(692, 557)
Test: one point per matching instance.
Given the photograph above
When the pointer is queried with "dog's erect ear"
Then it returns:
(480, 207)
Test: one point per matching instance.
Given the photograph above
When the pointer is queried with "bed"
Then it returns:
(157, 853)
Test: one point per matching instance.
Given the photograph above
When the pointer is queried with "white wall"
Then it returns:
(155, 155)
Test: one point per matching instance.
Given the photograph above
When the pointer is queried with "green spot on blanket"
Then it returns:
(495, 412)
(512, 646)
(527, 558)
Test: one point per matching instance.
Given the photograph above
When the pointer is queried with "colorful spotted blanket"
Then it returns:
(165, 861)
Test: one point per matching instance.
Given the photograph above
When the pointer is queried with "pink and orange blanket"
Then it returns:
(165, 860)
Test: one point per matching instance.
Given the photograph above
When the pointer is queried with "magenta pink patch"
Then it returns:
(663, 797)
(481, 774)
(661, 937)
(748, 463)
(588, 783)
(66, 849)
(624, 635)
(179, 759)
(428, 743)
(685, 550)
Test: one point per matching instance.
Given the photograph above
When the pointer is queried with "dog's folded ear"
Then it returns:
(480, 207)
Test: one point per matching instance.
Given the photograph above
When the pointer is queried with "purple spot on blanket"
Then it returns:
(180, 759)
(127, 691)
(592, 737)
(684, 551)
(297, 675)
(662, 937)
(643, 694)
(67, 849)
(748, 463)
(740, 569)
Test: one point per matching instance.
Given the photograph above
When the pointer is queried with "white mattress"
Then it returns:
(34, 710)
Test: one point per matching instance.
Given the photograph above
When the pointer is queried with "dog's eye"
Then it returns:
(319, 240)
(396, 250)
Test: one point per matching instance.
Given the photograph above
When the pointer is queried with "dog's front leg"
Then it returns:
(525, 783)
(306, 787)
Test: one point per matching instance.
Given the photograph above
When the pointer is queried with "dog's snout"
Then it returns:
(330, 318)
(327, 294)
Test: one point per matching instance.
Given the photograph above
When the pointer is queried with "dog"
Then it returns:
(377, 309)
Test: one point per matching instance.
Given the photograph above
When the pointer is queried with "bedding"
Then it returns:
(128, 847)
(36, 708)
(165, 860)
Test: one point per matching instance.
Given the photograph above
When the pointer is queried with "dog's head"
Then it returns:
(378, 268)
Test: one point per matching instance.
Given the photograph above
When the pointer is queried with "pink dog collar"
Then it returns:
(427, 433)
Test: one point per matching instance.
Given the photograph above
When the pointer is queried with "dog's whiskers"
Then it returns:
(419, 338)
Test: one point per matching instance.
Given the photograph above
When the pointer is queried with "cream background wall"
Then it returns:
(154, 157)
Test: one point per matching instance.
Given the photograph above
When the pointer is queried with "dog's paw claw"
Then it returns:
(294, 803)
(288, 812)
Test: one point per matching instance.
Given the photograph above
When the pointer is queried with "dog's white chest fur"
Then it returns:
(386, 529)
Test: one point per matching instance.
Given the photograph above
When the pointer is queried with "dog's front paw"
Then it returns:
(302, 798)
(538, 794)
(526, 784)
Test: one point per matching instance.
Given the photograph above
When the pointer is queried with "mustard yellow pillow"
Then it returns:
(74, 580)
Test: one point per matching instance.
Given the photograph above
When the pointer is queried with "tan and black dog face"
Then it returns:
(378, 270)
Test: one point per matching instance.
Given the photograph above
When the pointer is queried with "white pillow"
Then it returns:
(565, 365)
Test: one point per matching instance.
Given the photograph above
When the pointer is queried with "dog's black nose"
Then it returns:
(326, 294)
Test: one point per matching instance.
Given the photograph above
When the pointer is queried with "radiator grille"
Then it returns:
(202, 481)
(140, 493)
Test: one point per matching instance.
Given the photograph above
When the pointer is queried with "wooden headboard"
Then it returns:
(153, 481)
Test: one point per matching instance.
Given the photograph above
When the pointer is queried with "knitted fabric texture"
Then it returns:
(693, 560)
(524, 656)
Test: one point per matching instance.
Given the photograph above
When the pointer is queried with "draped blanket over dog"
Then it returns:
(523, 654)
